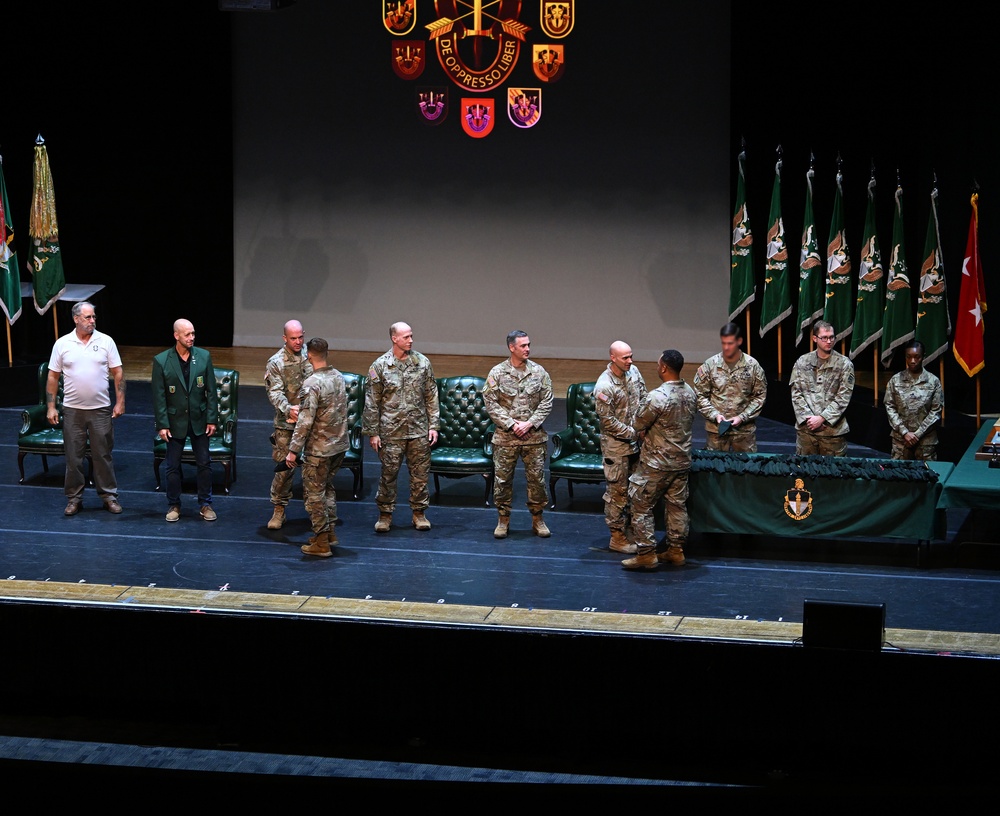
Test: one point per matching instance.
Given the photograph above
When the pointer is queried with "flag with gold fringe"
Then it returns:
(777, 303)
(741, 284)
(897, 320)
(837, 310)
(810, 269)
(871, 284)
(10, 276)
(933, 320)
(969, 328)
(48, 279)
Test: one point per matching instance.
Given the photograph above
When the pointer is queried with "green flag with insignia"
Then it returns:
(810, 269)
(837, 310)
(777, 303)
(897, 320)
(933, 320)
(871, 284)
(741, 283)
(48, 280)
(10, 276)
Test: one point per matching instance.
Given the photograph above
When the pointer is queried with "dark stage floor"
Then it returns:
(953, 588)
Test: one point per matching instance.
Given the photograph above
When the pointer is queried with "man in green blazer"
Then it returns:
(185, 405)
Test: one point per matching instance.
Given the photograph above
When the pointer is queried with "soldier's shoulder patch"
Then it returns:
(491, 382)
(602, 396)
(371, 373)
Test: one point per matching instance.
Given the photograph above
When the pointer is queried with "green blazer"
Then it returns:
(182, 407)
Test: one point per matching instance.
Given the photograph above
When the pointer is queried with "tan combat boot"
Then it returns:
(538, 527)
(502, 524)
(384, 523)
(672, 556)
(420, 520)
(319, 547)
(644, 561)
(278, 519)
(619, 543)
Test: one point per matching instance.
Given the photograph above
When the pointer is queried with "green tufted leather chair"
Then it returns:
(465, 440)
(354, 458)
(576, 449)
(37, 436)
(222, 445)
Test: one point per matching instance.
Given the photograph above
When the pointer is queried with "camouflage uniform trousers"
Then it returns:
(281, 484)
(646, 486)
(807, 443)
(923, 452)
(504, 459)
(617, 469)
(736, 443)
(417, 453)
(317, 488)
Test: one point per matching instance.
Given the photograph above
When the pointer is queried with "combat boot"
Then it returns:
(384, 523)
(420, 520)
(672, 556)
(619, 543)
(278, 519)
(538, 527)
(502, 524)
(644, 561)
(320, 547)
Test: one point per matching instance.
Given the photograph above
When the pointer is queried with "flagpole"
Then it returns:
(875, 369)
(779, 352)
(748, 329)
(10, 347)
(941, 377)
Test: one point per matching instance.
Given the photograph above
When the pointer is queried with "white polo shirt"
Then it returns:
(85, 369)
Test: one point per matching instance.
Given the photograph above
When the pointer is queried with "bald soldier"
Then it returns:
(284, 374)
(402, 420)
(618, 394)
(185, 405)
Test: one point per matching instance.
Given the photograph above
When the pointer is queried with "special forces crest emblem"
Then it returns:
(478, 42)
(399, 16)
(558, 17)
(478, 116)
(548, 60)
(408, 58)
(432, 105)
(798, 501)
(524, 106)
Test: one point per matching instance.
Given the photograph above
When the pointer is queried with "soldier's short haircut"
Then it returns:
(819, 325)
(78, 307)
(731, 330)
(914, 345)
(513, 336)
(673, 360)
(318, 347)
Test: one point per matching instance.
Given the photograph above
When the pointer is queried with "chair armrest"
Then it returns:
(34, 418)
(488, 440)
(560, 441)
(229, 430)
(354, 436)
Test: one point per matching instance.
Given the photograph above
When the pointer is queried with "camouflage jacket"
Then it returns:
(283, 377)
(616, 400)
(402, 398)
(914, 405)
(322, 426)
(667, 416)
(736, 390)
(822, 388)
(518, 396)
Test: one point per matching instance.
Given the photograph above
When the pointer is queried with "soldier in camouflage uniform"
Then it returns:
(286, 370)
(518, 398)
(821, 384)
(731, 387)
(914, 400)
(666, 417)
(402, 420)
(319, 442)
(618, 394)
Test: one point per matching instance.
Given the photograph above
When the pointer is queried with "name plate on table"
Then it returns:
(990, 450)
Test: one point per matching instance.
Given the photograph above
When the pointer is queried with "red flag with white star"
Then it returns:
(969, 326)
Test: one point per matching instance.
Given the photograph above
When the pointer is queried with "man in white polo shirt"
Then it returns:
(86, 358)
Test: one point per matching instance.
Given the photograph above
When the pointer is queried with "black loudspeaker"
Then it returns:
(840, 625)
